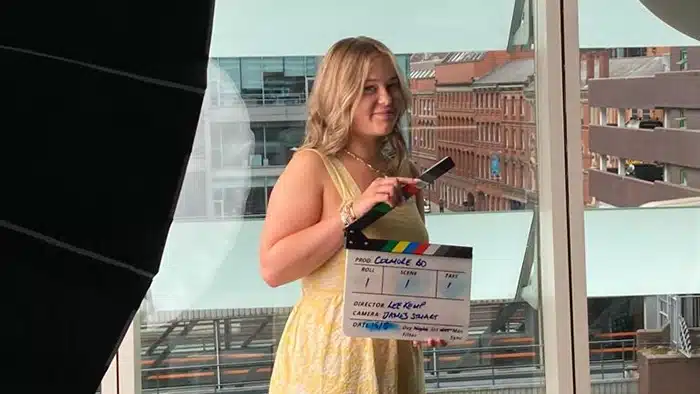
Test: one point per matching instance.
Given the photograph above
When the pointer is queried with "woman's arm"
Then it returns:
(295, 239)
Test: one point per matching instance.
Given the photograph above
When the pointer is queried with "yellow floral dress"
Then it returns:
(314, 356)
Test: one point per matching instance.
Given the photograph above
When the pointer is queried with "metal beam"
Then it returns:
(227, 334)
(162, 338)
(171, 345)
(255, 333)
(510, 308)
(522, 32)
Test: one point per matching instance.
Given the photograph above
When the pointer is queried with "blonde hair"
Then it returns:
(337, 91)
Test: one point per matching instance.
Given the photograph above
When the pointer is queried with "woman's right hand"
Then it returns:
(386, 190)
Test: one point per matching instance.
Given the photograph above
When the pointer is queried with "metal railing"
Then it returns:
(679, 312)
(444, 367)
(224, 100)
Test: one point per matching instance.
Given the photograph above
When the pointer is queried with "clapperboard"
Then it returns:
(406, 290)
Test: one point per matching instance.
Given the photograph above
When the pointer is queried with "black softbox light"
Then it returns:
(100, 107)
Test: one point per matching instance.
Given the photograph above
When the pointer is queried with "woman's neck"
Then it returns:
(367, 149)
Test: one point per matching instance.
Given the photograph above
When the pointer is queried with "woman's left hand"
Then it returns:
(432, 342)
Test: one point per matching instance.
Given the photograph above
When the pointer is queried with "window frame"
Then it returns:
(563, 297)
(123, 374)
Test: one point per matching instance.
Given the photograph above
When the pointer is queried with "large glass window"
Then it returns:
(214, 341)
(642, 222)
(275, 141)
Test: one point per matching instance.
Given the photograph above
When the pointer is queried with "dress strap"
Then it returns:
(338, 176)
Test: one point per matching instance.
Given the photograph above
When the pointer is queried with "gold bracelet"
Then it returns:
(347, 214)
(351, 211)
(344, 218)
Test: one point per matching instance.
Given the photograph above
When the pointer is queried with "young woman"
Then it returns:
(352, 158)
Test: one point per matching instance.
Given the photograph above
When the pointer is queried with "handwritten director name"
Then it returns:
(400, 310)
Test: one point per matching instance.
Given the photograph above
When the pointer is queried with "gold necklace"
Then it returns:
(361, 160)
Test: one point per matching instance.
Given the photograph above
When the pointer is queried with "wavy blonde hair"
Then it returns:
(337, 91)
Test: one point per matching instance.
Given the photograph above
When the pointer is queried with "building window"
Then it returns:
(684, 177)
(237, 199)
(274, 142)
(683, 61)
(681, 118)
(226, 141)
(273, 80)
(635, 52)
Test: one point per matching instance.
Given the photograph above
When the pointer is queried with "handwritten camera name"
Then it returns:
(400, 310)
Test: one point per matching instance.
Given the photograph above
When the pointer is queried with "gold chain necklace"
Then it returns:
(361, 160)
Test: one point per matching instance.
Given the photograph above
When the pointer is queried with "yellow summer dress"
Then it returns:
(314, 356)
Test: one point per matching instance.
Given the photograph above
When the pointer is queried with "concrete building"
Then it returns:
(617, 63)
(604, 64)
(668, 153)
(253, 115)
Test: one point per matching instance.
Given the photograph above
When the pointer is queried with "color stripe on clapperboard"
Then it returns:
(420, 248)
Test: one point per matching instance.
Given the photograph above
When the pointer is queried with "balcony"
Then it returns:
(622, 191)
(673, 146)
(221, 174)
(261, 108)
(666, 90)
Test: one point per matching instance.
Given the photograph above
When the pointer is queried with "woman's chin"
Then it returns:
(382, 131)
(376, 131)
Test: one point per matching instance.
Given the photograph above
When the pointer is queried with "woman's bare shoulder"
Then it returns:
(307, 166)
(296, 201)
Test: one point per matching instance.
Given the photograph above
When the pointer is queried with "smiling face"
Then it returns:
(380, 102)
(359, 96)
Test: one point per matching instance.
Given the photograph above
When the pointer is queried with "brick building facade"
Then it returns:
(471, 106)
(423, 112)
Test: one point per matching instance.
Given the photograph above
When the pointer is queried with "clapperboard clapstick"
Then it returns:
(428, 177)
